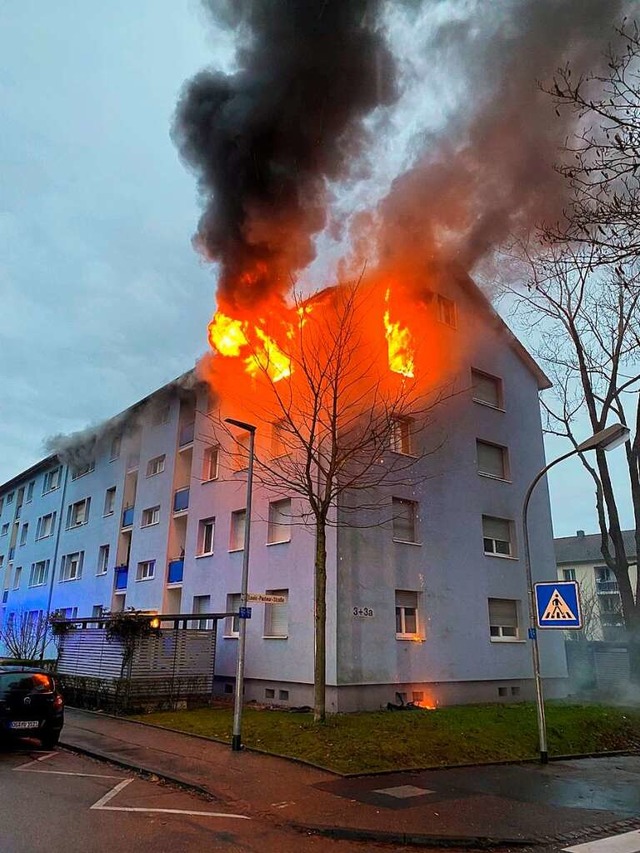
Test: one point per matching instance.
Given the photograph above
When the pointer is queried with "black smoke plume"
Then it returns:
(264, 140)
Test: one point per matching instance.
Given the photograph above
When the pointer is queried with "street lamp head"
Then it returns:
(241, 424)
(606, 439)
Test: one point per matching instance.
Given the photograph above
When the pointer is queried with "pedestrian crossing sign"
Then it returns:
(558, 605)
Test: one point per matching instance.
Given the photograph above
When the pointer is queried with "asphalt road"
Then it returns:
(62, 803)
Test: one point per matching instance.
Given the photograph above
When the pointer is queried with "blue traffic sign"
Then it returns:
(558, 605)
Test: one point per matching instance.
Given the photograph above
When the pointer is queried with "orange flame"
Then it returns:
(231, 337)
(399, 344)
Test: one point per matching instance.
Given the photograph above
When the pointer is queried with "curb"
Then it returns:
(473, 842)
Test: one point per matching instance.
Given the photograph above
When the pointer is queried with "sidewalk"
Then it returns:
(500, 805)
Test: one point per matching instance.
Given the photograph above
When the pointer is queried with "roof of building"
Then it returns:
(585, 548)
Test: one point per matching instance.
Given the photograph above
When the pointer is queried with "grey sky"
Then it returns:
(102, 298)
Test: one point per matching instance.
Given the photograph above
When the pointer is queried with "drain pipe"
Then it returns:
(55, 559)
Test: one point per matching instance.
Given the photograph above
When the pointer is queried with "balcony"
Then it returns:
(176, 570)
(605, 587)
(127, 516)
(181, 500)
(121, 573)
(187, 432)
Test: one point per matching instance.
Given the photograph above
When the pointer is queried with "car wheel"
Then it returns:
(50, 740)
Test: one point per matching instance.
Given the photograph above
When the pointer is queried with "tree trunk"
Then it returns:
(320, 619)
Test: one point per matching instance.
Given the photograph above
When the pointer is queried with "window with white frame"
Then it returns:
(146, 570)
(109, 501)
(568, 574)
(67, 612)
(1, 560)
(206, 530)
(238, 521)
(1, 504)
(103, 560)
(150, 516)
(71, 567)
(232, 623)
(24, 533)
(39, 572)
(46, 524)
(278, 439)
(85, 468)
(10, 498)
(487, 389)
(241, 451)
(4, 529)
(503, 620)
(279, 526)
(498, 538)
(96, 612)
(155, 465)
(401, 435)
(405, 515)
(407, 625)
(202, 604)
(276, 616)
(78, 513)
(492, 460)
(210, 463)
(447, 311)
(51, 480)
(17, 574)
(30, 489)
(116, 445)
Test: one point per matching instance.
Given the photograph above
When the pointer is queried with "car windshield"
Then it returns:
(13, 682)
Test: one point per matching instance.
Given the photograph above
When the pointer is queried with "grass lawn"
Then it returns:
(384, 740)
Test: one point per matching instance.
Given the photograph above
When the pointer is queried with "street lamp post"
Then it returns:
(236, 737)
(605, 439)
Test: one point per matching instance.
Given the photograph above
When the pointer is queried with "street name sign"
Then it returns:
(264, 598)
(558, 605)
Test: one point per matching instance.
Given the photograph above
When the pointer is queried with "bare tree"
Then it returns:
(587, 327)
(24, 633)
(334, 412)
(601, 162)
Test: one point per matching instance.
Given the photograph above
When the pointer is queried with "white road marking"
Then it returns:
(99, 804)
(628, 842)
(29, 768)
(36, 760)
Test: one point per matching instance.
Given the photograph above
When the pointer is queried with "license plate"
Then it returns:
(23, 724)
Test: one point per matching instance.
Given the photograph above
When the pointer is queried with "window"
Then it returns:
(276, 616)
(241, 451)
(46, 523)
(71, 568)
(205, 536)
(401, 430)
(30, 489)
(96, 612)
(1, 560)
(1, 504)
(404, 520)
(78, 513)
(4, 529)
(503, 620)
(278, 439)
(210, 463)
(80, 470)
(24, 533)
(487, 389)
(146, 570)
(161, 415)
(39, 572)
(51, 481)
(202, 604)
(279, 528)
(150, 516)
(10, 498)
(406, 614)
(497, 536)
(232, 623)
(109, 501)
(16, 577)
(67, 612)
(155, 466)
(447, 311)
(492, 460)
(116, 445)
(103, 560)
(568, 574)
(238, 520)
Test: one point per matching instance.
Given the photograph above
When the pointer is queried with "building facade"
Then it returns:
(578, 558)
(431, 602)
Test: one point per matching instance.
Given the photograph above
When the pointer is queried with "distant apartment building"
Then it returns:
(578, 558)
(431, 602)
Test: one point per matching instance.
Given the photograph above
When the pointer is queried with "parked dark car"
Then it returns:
(30, 704)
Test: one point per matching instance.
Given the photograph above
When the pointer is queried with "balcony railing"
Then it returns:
(176, 570)
(122, 573)
(607, 586)
(181, 500)
(127, 516)
(187, 431)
